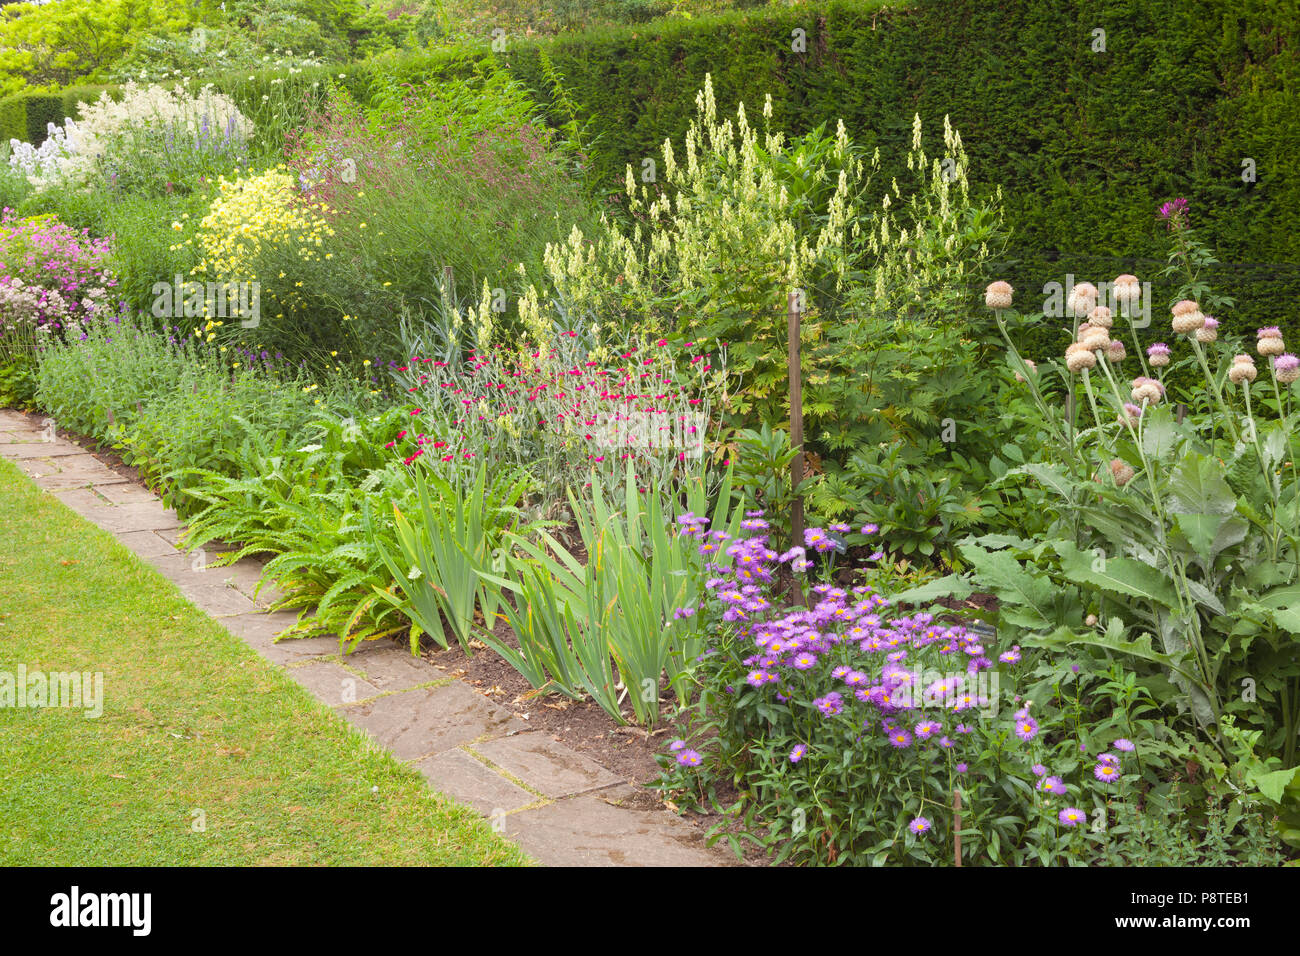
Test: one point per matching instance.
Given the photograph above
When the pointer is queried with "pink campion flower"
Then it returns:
(1174, 213)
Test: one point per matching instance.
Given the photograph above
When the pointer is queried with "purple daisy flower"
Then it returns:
(1106, 773)
(689, 758)
(1026, 728)
(1072, 816)
(1052, 785)
(870, 528)
(1124, 744)
(1038, 769)
(900, 738)
(919, 826)
(798, 753)
(962, 767)
(676, 745)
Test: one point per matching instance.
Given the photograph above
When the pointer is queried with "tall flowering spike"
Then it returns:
(998, 295)
(1187, 317)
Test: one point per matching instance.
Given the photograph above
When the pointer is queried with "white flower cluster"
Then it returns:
(204, 121)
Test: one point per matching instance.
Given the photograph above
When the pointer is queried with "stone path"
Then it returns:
(559, 805)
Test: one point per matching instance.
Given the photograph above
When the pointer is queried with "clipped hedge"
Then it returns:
(1084, 142)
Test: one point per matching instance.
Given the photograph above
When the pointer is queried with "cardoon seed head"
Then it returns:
(1077, 358)
(1126, 289)
(1083, 299)
(1095, 340)
(1131, 414)
(1033, 370)
(1187, 317)
(1243, 370)
(1146, 390)
(1158, 354)
(1286, 368)
(1269, 341)
(1115, 352)
(1209, 332)
(1100, 318)
(1121, 471)
(998, 295)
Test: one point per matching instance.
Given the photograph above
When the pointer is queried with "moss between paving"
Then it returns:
(205, 754)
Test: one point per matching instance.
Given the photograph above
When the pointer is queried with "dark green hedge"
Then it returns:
(1084, 144)
(27, 115)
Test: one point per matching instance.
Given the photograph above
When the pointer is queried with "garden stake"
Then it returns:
(796, 432)
(956, 827)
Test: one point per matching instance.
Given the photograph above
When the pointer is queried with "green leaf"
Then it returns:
(1273, 785)
(1197, 486)
(1118, 575)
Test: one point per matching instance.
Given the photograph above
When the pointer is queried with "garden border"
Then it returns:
(560, 806)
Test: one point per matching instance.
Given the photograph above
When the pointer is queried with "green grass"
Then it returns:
(193, 720)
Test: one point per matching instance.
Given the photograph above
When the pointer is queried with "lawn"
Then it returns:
(204, 754)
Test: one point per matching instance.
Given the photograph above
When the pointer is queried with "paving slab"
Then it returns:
(332, 684)
(587, 831)
(79, 500)
(173, 536)
(260, 630)
(74, 471)
(41, 449)
(128, 494)
(392, 668)
(546, 765)
(217, 600)
(137, 517)
(22, 436)
(427, 721)
(146, 544)
(467, 780)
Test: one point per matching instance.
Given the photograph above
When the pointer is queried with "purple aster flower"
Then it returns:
(1109, 760)
(900, 738)
(1038, 769)
(689, 758)
(1010, 657)
(963, 767)
(1072, 816)
(928, 728)
(677, 745)
(804, 661)
(1106, 773)
(798, 753)
(1123, 744)
(919, 826)
(1052, 785)
(870, 528)
(1026, 728)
